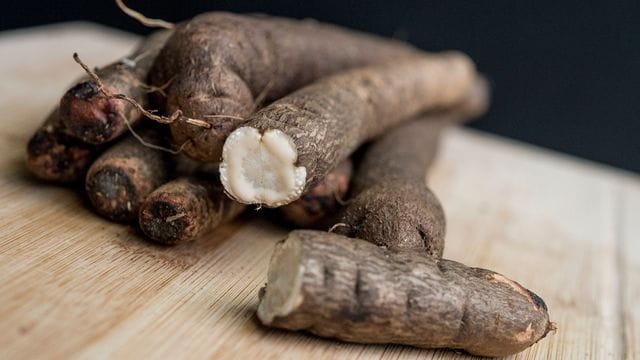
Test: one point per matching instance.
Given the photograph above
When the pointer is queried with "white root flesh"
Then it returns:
(261, 168)
(285, 283)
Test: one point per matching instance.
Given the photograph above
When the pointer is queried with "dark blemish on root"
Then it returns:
(113, 193)
(358, 286)
(355, 311)
(85, 90)
(41, 143)
(423, 236)
(90, 115)
(537, 300)
(408, 303)
(55, 156)
(109, 181)
(327, 277)
(154, 222)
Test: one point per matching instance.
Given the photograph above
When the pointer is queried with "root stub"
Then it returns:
(184, 209)
(352, 290)
(89, 115)
(53, 155)
(120, 179)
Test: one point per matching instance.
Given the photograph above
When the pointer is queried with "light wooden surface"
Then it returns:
(72, 284)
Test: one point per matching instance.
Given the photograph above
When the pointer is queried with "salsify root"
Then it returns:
(355, 291)
(222, 66)
(390, 203)
(288, 147)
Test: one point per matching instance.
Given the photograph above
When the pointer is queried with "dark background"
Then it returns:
(566, 75)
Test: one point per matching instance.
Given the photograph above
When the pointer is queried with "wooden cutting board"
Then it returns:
(72, 284)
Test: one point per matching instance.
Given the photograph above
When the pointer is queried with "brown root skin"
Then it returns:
(95, 118)
(54, 155)
(120, 179)
(314, 208)
(352, 290)
(183, 210)
(398, 215)
(391, 204)
(227, 64)
(327, 120)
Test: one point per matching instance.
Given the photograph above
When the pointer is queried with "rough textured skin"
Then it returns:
(184, 209)
(397, 214)
(323, 201)
(330, 118)
(120, 179)
(54, 155)
(391, 204)
(95, 118)
(406, 151)
(355, 291)
(221, 63)
(403, 154)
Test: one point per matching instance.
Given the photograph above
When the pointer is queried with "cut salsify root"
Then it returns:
(288, 147)
(355, 291)
(226, 63)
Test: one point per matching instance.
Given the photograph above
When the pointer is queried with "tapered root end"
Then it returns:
(261, 168)
(91, 116)
(282, 295)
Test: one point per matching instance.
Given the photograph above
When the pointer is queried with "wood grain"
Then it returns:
(74, 285)
(628, 197)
